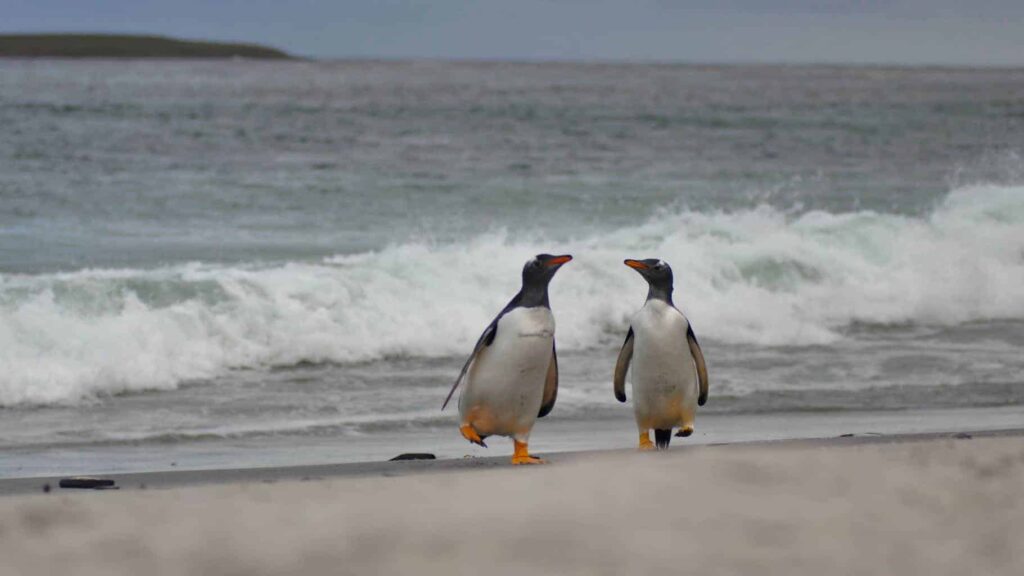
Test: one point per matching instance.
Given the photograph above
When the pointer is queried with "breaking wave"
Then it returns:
(761, 277)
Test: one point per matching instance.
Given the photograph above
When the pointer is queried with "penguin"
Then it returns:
(670, 378)
(511, 377)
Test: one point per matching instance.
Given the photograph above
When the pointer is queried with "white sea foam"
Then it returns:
(760, 277)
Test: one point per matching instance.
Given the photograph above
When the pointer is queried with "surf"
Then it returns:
(760, 276)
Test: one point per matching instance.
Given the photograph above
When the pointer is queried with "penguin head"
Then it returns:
(658, 275)
(539, 271)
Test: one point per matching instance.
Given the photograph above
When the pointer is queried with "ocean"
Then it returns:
(234, 263)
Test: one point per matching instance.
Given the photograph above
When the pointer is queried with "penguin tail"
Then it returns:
(662, 438)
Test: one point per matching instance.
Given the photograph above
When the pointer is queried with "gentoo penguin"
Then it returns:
(670, 378)
(511, 378)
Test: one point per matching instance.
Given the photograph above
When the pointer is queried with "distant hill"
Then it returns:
(126, 46)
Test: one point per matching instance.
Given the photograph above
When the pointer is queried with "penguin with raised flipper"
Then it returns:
(669, 376)
(511, 377)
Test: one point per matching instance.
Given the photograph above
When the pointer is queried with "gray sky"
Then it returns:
(983, 32)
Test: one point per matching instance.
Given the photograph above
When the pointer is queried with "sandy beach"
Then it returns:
(239, 288)
(935, 504)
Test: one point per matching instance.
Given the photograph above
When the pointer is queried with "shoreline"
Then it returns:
(171, 479)
(553, 435)
(895, 504)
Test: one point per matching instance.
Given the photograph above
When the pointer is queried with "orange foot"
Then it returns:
(685, 431)
(522, 455)
(470, 434)
(645, 442)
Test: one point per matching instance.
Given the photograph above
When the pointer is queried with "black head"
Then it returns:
(537, 273)
(541, 269)
(658, 275)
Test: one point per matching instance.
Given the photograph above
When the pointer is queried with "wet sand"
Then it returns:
(552, 435)
(938, 503)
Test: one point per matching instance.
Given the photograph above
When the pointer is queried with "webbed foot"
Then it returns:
(645, 442)
(469, 433)
(522, 455)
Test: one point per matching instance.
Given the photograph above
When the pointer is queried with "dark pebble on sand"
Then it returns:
(87, 483)
(414, 456)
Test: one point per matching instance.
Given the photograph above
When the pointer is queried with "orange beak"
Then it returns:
(636, 265)
(559, 260)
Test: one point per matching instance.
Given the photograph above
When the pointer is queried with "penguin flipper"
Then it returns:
(550, 385)
(485, 340)
(698, 360)
(622, 366)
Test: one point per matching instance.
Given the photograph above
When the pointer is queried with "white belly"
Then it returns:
(505, 385)
(664, 374)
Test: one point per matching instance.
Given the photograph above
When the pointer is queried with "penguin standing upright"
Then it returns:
(511, 378)
(670, 378)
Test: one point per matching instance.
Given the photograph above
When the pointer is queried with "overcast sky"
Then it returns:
(980, 32)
